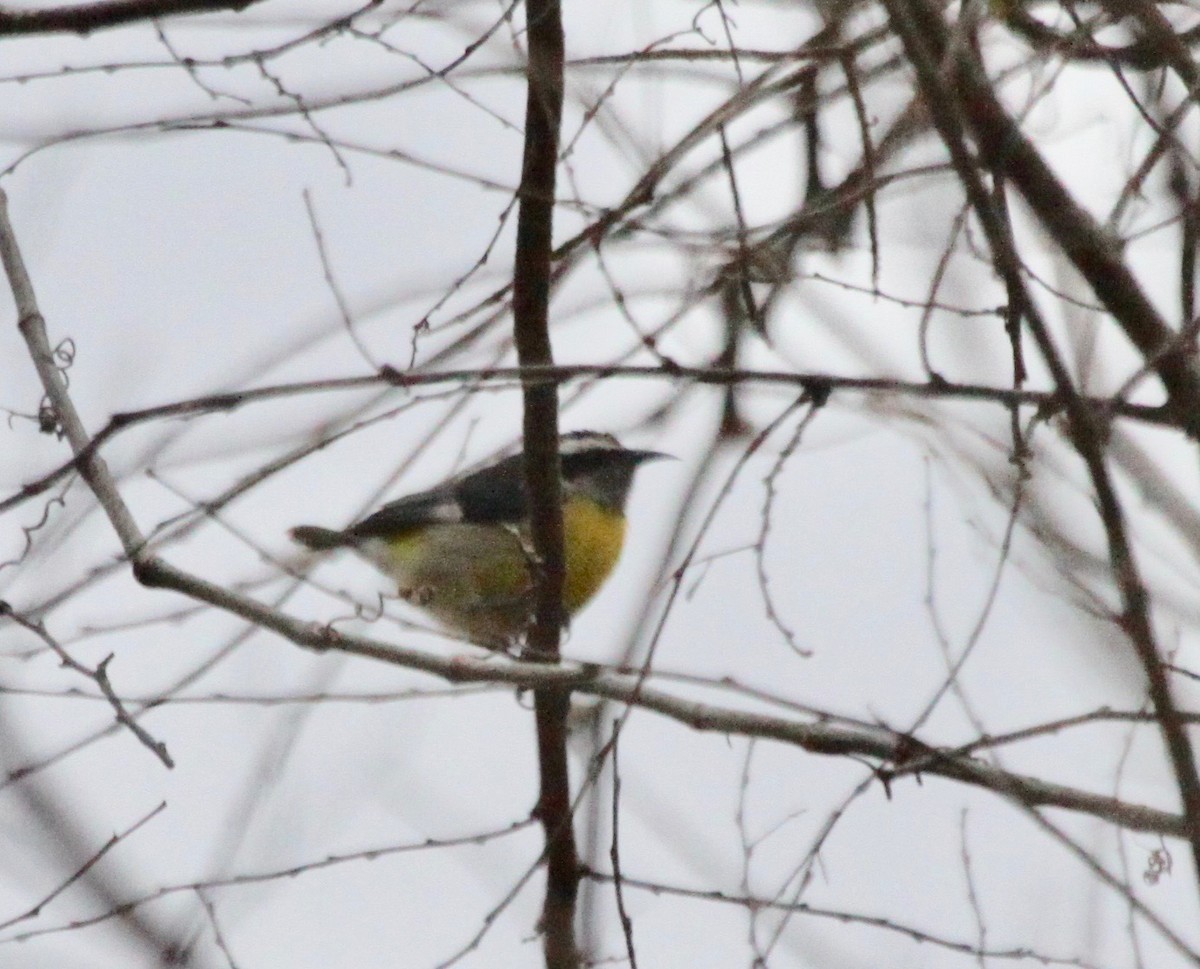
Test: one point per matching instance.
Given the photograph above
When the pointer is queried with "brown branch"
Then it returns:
(262, 877)
(67, 827)
(35, 910)
(878, 743)
(89, 17)
(33, 328)
(614, 854)
(971, 102)
(1046, 401)
(531, 303)
(531, 299)
(1159, 35)
(99, 676)
(757, 903)
(820, 737)
(1094, 253)
(1142, 54)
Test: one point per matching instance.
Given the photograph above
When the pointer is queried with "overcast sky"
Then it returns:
(179, 258)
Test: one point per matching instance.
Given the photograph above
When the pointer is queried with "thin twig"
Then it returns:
(99, 676)
(36, 910)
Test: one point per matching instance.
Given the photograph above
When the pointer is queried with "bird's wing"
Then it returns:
(493, 495)
(405, 514)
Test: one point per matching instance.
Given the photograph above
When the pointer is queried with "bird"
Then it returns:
(461, 551)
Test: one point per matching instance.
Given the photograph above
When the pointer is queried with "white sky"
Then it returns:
(182, 263)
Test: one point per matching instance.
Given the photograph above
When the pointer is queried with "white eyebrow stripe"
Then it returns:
(587, 441)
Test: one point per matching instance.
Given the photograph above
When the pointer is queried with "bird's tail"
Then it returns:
(316, 538)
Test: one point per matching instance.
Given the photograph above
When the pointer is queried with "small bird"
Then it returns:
(461, 551)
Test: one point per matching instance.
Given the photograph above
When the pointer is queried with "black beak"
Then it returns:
(637, 457)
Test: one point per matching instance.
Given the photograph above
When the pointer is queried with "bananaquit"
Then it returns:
(461, 551)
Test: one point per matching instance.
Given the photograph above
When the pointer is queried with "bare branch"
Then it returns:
(87, 18)
(531, 305)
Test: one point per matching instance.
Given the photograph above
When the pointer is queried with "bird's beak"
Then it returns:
(639, 456)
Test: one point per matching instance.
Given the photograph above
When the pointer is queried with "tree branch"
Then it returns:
(820, 737)
(972, 102)
(531, 301)
(1048, 402)
(89, 17)
(1094, 253)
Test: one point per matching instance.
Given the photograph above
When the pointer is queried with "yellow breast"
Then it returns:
(592, 537)
(475, 578)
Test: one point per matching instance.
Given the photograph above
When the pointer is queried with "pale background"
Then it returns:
(183, 262)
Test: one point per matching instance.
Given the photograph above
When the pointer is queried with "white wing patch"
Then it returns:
(448, 510)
